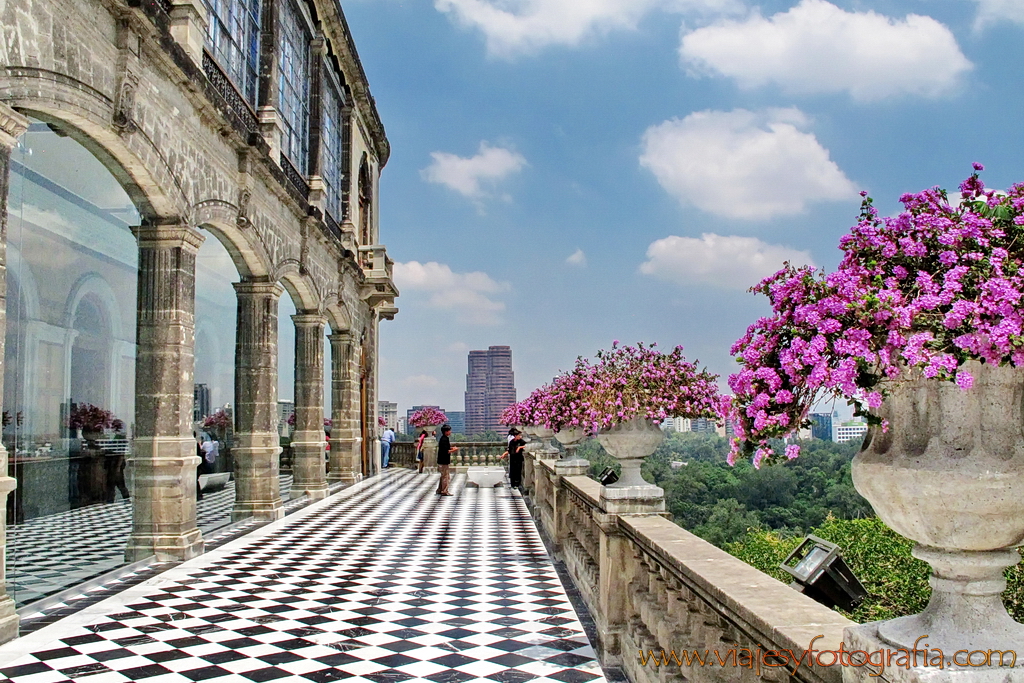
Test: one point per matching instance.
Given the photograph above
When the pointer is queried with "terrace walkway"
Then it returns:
(382, 582)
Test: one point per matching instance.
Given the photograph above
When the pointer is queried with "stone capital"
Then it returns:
(304, 319)
(341, 338)
(12, 125)
(257, 288)
(168, 236)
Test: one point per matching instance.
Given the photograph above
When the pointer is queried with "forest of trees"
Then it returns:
(720, 503)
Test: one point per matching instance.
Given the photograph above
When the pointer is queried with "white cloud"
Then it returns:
(743, 164)
(577, 258)
(469, 175)
(466, 294)
(994, 11)
(817, 47)
(514, 27)
(728, 262)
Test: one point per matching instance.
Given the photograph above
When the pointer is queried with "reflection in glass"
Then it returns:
(69, 363)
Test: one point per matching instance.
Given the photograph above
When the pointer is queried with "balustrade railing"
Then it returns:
(470, 454)
(654, 588)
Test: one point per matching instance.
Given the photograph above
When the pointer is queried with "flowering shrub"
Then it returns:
(427, 416)
(623, 383)
(929, 289)
(90, 418)
(381, 421)
(220, 421)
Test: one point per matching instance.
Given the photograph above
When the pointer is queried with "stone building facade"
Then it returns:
(245, 121)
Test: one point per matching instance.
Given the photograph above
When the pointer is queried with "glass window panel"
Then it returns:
(331, 155)
(293, 85)
(216, 306)
(72, 271)
(232, 36)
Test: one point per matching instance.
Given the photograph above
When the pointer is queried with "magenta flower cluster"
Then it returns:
(90, 418)
(621, 384)
(929, 289)
(220, 420)
(381, 421)
(427, 416)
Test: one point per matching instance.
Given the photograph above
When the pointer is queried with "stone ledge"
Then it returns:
(778, 616)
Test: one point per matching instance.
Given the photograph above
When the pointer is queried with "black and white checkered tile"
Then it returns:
(48, 554)
(383, 582)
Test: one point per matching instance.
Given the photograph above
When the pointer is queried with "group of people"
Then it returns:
(444, 458)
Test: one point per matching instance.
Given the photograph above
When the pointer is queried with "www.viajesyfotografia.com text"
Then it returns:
(877, 661)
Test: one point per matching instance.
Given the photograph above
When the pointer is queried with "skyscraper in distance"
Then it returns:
(490, 388)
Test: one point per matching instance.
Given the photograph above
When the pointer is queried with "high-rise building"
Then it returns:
(490, 388)
(389, 411)
(821, 426)
(403, 425)
(285, 409)
(457, 421)
(849, 431)
(201, 405)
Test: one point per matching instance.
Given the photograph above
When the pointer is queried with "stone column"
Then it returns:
(308, 439)
(12, 125)
(257, 442)
(345, 436)
(162, 464)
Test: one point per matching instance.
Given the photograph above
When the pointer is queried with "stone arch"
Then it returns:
(93, 284)
(338, 316)
(86, 114)
(299, 286)
(221, 218)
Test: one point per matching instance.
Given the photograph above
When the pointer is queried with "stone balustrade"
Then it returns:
(652, 586)
(470, 454)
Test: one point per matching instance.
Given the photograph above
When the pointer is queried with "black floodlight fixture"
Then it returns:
(820, 573)
(608, 477)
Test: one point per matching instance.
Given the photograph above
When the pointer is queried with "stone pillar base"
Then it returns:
(308, 467)
(927, 664)
(165, 547)
(162, 470)
(257, 486)
(9, 619)
(577, 467)
(633, 499)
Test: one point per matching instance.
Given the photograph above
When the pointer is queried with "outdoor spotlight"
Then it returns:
(608, 477)
(820, 573)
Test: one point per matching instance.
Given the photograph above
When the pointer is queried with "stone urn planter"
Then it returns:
(630, 443)
(429, 446)
(569, 464)
(949, 474)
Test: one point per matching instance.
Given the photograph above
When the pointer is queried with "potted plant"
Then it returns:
(428, 418)
(92, 420)
(622, 397)
(921, 328)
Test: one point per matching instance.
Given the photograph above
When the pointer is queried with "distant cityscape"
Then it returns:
(490, 388)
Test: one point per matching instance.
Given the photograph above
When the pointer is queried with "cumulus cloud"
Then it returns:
(996, 11)
(514, 27)
(816, 47)
(728, 262)
(743, 164)
(469, 176)
(577, 258)
(468, 295)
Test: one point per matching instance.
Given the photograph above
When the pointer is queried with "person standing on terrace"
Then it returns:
(444, 460)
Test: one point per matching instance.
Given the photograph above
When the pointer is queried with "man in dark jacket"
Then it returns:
(444, 460)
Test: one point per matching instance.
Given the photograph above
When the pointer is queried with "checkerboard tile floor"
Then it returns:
(383, 582)
(51, 553)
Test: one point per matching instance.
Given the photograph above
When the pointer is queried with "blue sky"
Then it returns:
(569, 172)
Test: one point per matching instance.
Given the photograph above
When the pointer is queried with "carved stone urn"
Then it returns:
(630, 443)
(569, 465)
(949, 474)
(429, 447)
